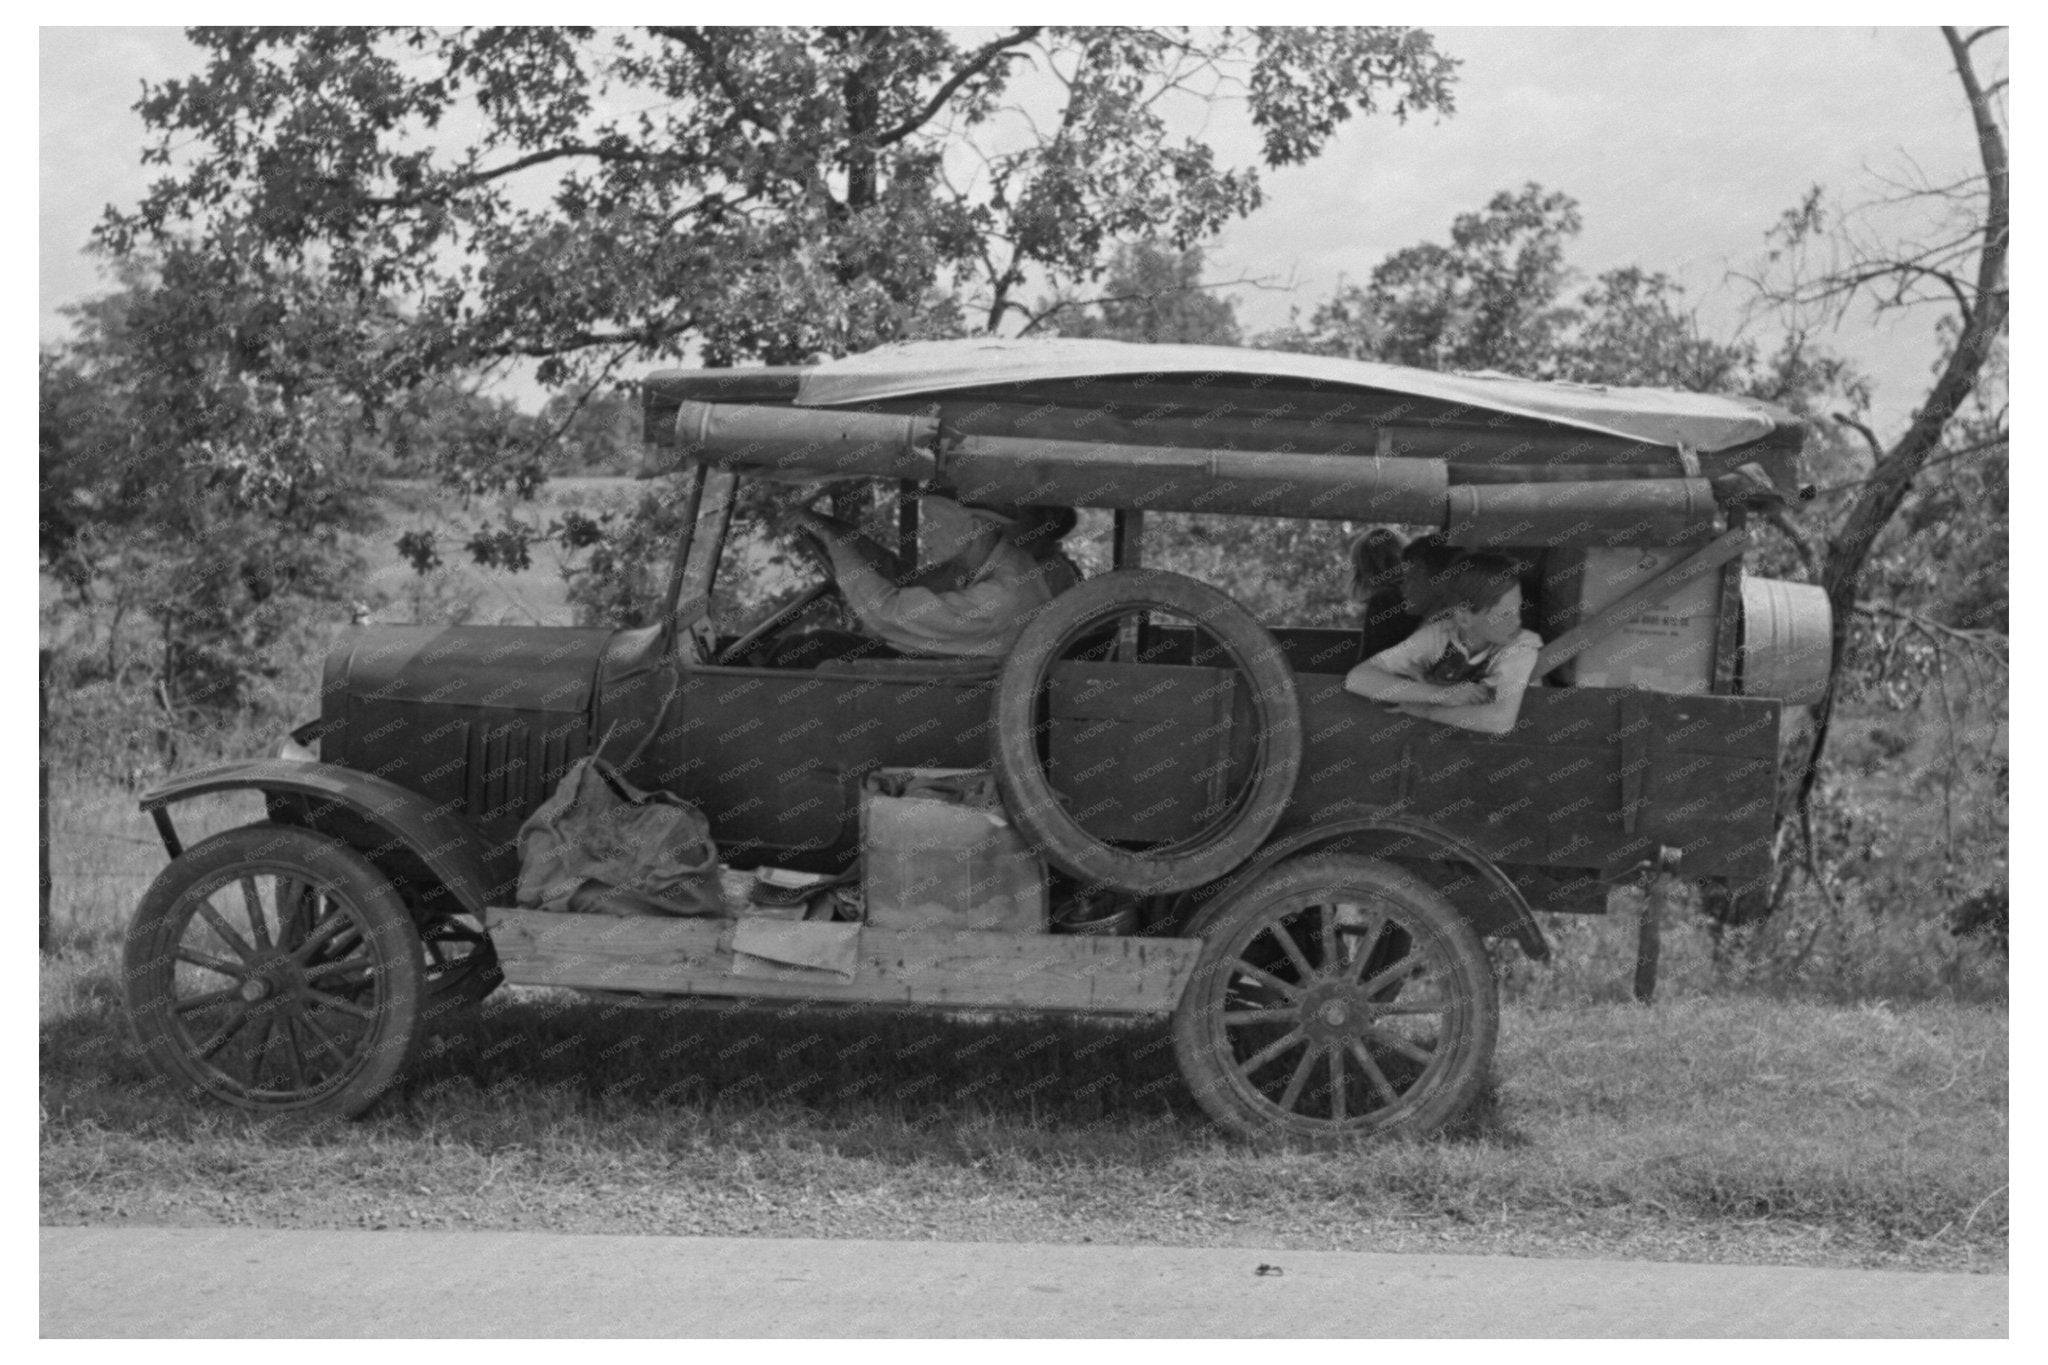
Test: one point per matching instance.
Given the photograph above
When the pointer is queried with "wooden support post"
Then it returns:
(1649, 934)
(1661, 887)
(852, 504)
(906, 525)
(693, 502)
(1127, 551)
(1127, 540)
(1728, 626)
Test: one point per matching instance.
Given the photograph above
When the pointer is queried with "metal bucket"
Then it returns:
(1786, 640)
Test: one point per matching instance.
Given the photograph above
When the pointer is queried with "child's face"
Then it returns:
(1496, 625)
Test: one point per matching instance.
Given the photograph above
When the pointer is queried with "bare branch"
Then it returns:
(1863, 430)
(474, 179)
(1786, 527)
(982, 58)
(1994, 643)
(1933, 463)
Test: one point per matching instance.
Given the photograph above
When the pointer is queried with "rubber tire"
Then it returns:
(1434, 925)
(380, 918)
(1027, 790)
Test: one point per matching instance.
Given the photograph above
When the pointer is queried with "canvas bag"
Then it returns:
(600, 845)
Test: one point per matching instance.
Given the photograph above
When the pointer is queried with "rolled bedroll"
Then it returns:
(1614, 512)
(1270, 483)
(803, 443)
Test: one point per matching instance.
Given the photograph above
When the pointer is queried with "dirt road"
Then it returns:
(239, 1282)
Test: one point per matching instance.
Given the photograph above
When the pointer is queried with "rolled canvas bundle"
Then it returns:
(809, 443)
(814, 443)
(1615, 512)
(1173, 479)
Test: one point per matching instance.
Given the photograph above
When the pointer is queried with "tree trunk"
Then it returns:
(1983, 319)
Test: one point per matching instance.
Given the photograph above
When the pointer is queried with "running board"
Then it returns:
(782, 960)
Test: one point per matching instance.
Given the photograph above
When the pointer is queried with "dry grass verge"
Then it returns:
(1706, 1129)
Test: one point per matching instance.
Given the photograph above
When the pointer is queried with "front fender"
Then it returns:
(1486, 896)
(428, 852)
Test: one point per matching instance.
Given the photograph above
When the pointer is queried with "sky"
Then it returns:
(1682, 145)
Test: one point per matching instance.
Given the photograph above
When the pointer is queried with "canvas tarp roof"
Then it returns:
(1664, 417)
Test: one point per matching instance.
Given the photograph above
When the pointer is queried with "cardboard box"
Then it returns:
(1669, 647)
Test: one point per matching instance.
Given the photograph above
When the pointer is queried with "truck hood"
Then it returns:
(519, 668)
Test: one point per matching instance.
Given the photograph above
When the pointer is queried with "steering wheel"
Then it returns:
(777, 620)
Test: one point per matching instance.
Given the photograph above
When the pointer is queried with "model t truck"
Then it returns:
(1305, 879)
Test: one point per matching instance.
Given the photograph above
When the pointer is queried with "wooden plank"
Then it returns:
(955, 969)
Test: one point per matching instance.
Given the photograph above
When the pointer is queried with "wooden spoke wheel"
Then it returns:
(1336, 997)
(275, 969)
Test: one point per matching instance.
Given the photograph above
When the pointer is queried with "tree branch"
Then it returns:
(1801, 546)
(980, 61)
(1869, 437)
(473, 179)
(707, 56)
(653, 334)
(1992, 642)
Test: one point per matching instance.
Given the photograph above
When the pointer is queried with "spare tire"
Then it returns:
(1022, 724)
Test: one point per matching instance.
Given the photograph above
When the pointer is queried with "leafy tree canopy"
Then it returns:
(1501, 295)
(1151, 292)
(733, 193)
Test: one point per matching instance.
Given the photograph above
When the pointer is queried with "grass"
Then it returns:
(1730, 1129)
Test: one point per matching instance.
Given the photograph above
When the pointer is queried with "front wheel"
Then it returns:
(277, 970)
(1336, 997)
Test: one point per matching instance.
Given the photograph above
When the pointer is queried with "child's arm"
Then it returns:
(1375, 683)
(1508, 681)
(1391, 674)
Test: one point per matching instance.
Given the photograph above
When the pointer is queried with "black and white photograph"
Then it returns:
(1104, 683)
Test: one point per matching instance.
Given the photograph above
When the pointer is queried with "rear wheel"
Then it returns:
(277, 970)
(1336, 997)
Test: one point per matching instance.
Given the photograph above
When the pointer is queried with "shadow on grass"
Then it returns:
(858, 1082)
(840, 1069)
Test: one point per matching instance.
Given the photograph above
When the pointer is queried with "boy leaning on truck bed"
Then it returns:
(1468, 664)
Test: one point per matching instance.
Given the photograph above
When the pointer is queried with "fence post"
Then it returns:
(43, 799)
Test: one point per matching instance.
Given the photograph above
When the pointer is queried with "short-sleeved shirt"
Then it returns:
(980, 618)
(1432, 654)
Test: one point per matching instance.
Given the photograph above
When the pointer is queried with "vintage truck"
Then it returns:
(1310, 878)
